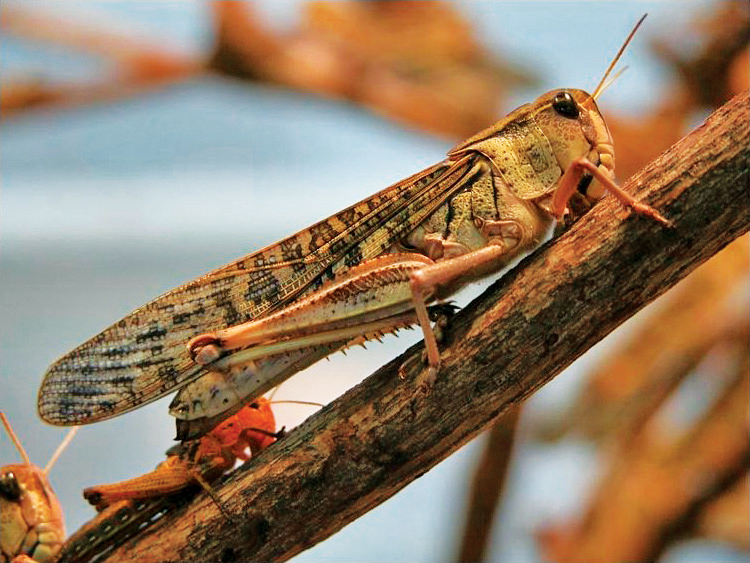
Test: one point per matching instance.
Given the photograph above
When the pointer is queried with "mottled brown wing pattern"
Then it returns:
(143, 357)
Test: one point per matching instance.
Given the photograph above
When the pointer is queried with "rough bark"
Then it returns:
(378, 437)
(634, 381)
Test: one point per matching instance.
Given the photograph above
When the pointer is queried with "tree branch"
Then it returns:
(487, 487)
(378, 437)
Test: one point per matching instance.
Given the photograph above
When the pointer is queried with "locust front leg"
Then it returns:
(569, 181)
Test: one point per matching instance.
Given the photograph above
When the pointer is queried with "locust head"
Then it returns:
(535, 148)
(574, 127)
(31, 519)
(23, 491)
(554, 151)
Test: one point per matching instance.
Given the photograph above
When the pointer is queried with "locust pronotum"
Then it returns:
(32, 527)
(372, 268)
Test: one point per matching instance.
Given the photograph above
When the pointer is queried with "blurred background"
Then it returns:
(146, 143)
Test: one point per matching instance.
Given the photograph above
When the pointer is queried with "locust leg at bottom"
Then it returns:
(169, 477)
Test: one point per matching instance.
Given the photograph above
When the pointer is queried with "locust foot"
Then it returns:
(204, 349)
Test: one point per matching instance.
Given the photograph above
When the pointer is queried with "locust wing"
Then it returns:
(143, 357)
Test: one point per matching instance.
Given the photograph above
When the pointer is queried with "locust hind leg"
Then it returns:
(378, 296)
(370, 299)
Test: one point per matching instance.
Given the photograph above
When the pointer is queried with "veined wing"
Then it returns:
(143, 357)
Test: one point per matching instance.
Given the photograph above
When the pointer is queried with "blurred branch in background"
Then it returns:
(725, 518)
(135, 64)
(710, 68)
(659, 484)
(487, 487)
(710, 63)
(416, 62)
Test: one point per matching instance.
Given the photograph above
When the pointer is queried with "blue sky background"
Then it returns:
(105, 207)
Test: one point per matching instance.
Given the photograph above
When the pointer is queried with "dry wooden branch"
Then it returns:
(632, 383)
(726, 518)
(487, 487)
(378, 437)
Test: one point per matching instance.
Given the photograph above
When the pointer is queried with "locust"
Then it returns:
(32, 527)
(239, 437)
(249, 431)
(127, 507)
(383, 264)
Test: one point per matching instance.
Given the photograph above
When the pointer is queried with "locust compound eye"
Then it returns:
(565, 105)
(9, 487)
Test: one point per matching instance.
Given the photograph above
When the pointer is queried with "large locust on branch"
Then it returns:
(240, 330)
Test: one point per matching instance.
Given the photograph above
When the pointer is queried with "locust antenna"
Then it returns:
(64, 444)
(612, 80)
(290, 402)
(273, 392)
(15, 439)
(601, 86)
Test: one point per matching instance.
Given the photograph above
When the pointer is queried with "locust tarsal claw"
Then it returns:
(440, 315)
(427, 381)
(441, 321)
(204, 349)
(406, 366)
(645, 209)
